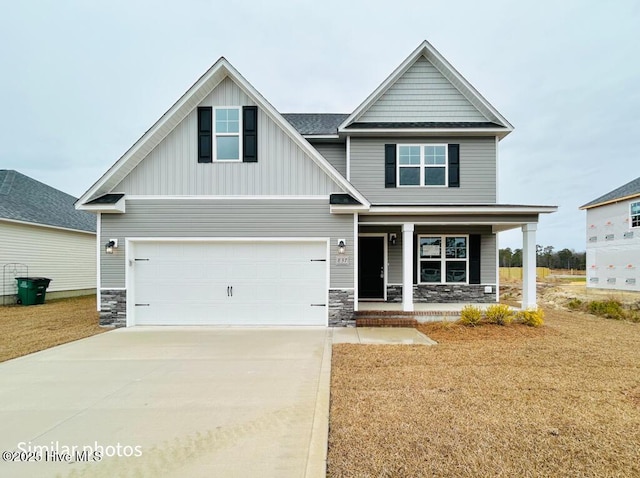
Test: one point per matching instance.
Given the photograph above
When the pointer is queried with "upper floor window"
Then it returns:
(422, 165)
(635, 214)
(227, 134)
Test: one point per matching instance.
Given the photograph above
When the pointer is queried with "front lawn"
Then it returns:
(28, 329)
(562, 400)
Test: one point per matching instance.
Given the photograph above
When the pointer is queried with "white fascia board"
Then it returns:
(441, 64)
(47, 226)
(459, 210)
(321, 136)
(116, 208)
(223, 198)
(499, 132)
(349, 209)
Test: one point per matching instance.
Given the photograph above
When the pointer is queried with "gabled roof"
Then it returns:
(23, 199)
(627, 191)
(503, 127)
(187, 103)
(316, 124)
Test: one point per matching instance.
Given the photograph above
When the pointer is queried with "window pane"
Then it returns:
(435, 155)
(434, 176)
(227, 120)
(430, 271)
(430, 247)
(456, 271)
(635, 208)
(227, 147)
(409, 154)
(456, 247)
(410, 176)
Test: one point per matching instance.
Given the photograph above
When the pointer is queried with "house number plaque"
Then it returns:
(342, 260)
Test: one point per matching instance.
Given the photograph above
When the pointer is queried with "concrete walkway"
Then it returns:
(381, 336)
(189, 401)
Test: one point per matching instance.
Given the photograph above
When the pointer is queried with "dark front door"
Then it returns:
(371, 268)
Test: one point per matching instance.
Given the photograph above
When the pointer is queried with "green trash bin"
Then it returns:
(32, 290)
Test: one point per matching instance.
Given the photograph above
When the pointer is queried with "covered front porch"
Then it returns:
(431, 261)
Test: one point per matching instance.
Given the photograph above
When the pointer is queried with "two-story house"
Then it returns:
(228, 212)
(613, 239)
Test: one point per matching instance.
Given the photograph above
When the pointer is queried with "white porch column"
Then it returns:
(407, 267)
(529, 265)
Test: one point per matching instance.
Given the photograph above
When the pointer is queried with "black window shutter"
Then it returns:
(416, 251)
(454, 165)
(474, 259)
(250, 134)
(204, 134)
(389, 165)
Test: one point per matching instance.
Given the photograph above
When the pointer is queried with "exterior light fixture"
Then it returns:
(342, 245)
(110, 246)
(393, 238)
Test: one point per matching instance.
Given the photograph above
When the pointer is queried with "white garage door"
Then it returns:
(229, 283)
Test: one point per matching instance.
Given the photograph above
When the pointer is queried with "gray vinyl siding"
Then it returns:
(172, 167)
(422, 94)
(477, 172)
(225, 218)
(335, 153)
(488, 272)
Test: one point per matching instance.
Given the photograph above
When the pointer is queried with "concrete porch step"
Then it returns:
(396, 318)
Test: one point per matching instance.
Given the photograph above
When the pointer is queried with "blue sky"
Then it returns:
(82, 81)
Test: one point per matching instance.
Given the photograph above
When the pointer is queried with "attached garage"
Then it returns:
(227, 282)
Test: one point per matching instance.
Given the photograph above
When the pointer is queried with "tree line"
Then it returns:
(546, 257)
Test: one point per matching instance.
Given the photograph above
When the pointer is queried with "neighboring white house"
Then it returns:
(43, 235)
(613, 239)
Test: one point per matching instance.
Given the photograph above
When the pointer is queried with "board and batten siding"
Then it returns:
(172, 167)
(488, 272)
(68, 258)
(335, 153)
(226, 218)
(477, 172)
(422, 94)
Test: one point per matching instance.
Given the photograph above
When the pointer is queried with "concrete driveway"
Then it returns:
(183, 402)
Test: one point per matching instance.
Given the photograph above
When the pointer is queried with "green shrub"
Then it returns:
(500, 314)
(611, 309)
(531, 317)
(470, 316)
(575, 304)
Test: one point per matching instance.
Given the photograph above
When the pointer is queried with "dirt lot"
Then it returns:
(563, 400)
(27, 329)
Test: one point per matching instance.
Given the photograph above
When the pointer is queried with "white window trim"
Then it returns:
(215, 135)
(443, 260)
(631, 226)
(423, 165)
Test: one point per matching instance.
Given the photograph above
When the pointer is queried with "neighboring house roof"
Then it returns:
(26, 200)
(315, 123)
(627, 191)
(443, 66)
(179, 111)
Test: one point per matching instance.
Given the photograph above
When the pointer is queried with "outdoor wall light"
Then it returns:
(393, 238)
(110, 246)
(342, 246)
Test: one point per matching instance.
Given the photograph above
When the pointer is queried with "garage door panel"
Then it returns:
(274, 283)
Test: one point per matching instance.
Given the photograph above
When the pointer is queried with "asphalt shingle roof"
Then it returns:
(315, 123)
(632, 188)
(25, 199)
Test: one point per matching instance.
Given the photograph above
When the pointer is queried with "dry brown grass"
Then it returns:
(28, 329)
(562, 400)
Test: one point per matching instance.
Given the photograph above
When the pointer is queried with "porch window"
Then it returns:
(443, 259)
(422, 165)
(635, 214)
